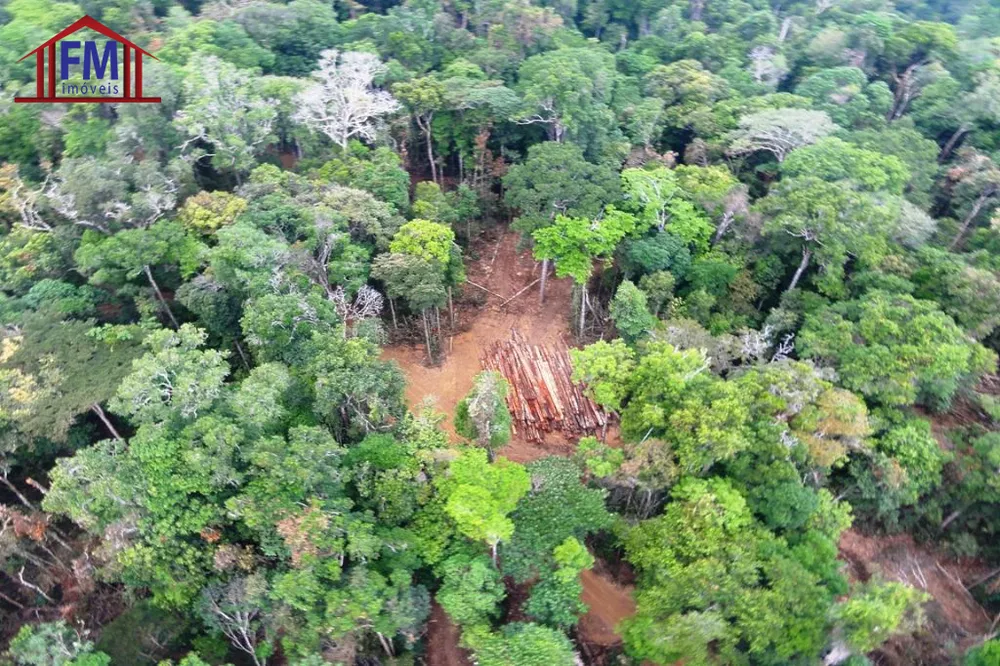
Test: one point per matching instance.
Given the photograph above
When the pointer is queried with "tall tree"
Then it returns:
(342, 102)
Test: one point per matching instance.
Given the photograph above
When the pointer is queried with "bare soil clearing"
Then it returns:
(955, 620)
(504, 270)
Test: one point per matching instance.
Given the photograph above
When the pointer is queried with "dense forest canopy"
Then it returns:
(778, 229)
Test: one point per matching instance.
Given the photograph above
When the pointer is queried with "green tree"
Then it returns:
(482, 415)
(630, 311)
(521, 643)
(480, 496)
(471, 590)
(175, 379)
(574, 244)
(555, 179)
(54, 644)
(832, 221)
(877, 611)
(894, 349)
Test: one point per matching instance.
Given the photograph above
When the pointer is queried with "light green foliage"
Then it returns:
(574, 243)
(605, 368)
(833, 222)
(599, 459)
(481, 495)
(206, 212)
(787, 212)
(54, 644)
(914, 448)
(227, 111)
(279, 326)
(894, 349)
(688, 92)
(176, 378)
(962, 290)
(833, 159)
(917, 152)
(673, 396)
(630, 312)
(125, 255)
(226, 40)
(519, 643)
(710, 575)
(482, 415)
(378, 171)
(878, 611)
(656, 197)
(983, 655)
(471, 589)
(425, 240)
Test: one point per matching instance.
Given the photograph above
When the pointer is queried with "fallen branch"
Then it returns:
(520, 292)
(479, 286)
(984, 579)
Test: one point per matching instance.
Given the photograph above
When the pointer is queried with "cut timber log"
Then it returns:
(543, 397)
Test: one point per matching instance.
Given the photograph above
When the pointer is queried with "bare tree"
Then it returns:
(767, 66)
(342, 102)
(235, 610)
(779, 131)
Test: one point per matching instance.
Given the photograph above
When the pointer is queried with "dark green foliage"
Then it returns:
(559, 506)
(661, 252)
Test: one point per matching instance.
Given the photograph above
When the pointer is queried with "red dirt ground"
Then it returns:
(505, 271)
(442, 641)
(954, 620)
(609, 603)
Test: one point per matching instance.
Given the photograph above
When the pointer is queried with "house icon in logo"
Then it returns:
(101, 81)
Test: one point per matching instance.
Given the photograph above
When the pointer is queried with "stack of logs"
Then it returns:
(542, 397)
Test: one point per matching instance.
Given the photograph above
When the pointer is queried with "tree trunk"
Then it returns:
(159, 295)
(806, 256)
(96, 408)
(583, 306)
(437, 317)
(951, 517)
(17, 493)
(426, 126)
(451, 308)
(727, 219)
(12, 602)
(952, 143)
(785, 26)
(967, 222)
(427, 335)
(541, 288)
(392, 308)
(243, 356)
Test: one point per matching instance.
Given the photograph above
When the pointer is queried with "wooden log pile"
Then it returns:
(542, 397)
